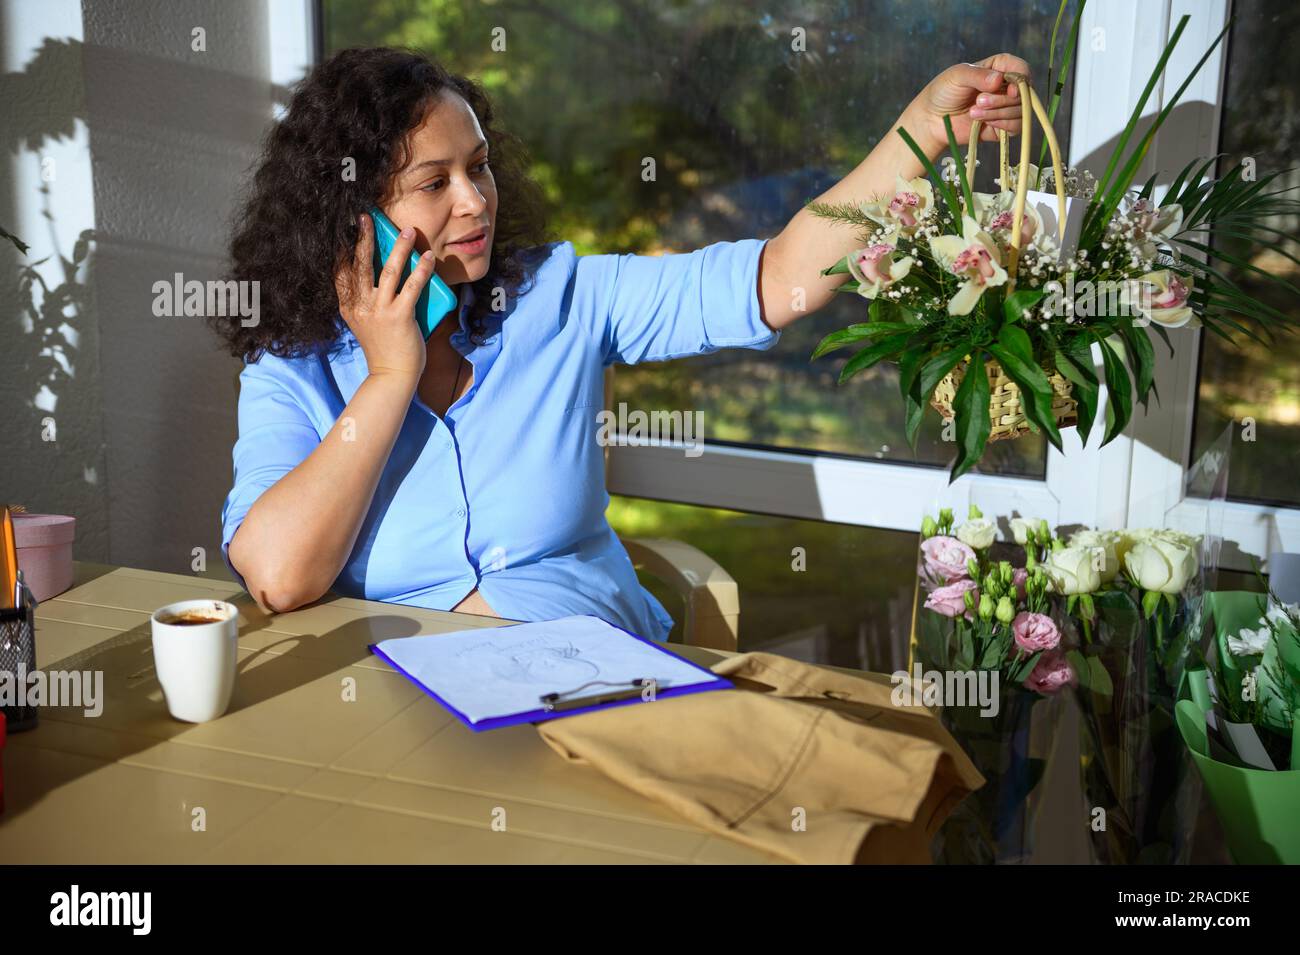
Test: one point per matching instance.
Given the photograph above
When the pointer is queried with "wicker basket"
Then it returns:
(1005, 411)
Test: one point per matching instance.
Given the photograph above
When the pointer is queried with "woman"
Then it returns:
(463, 472)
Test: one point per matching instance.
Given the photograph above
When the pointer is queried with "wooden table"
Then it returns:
(325, 755)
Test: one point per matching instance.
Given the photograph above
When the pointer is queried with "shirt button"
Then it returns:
(460, 512)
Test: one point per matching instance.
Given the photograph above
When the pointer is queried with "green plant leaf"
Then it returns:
(873, 355)
(1150, 601)
(934, 370)
(1087, 389)
(856, 333)
(971, 412)
(1144, 360)
(1119, 407)
(1055, 90)
(968, 204)
(1017, 303)
(945, 190)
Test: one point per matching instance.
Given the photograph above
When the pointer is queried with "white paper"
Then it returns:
(502, 671)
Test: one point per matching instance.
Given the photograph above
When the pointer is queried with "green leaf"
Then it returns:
(968, 203)
(1136, 115)
(1099, 677)
(1144, 358)
(1017, 303)
(937, 367)
(1150, 601)
(1119, 387)
(971, 410)
(1164, 336)
(945, 190)
(909, 373)
(873, 355)
(913, 413)
(1087, 389)
(856, 333)
(1071, 44)
(1079, 663)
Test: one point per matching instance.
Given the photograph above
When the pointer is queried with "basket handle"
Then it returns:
(1029, 101)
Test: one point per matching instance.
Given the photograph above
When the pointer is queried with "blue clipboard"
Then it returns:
(541, 714)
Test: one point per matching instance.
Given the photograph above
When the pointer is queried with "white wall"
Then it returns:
(164, 137)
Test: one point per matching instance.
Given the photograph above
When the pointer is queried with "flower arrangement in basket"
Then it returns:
(1050, 286)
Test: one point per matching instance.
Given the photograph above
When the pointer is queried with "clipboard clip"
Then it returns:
(556, 702)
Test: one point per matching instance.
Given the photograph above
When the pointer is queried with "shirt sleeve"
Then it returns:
(275, 436)
(655, 308)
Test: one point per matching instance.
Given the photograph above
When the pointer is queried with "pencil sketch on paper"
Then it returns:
(549, 665)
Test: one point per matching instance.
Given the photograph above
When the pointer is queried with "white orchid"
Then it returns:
(875, 267)
(904, 210)
(995, 213)
(1162, 297)
(1152, 223)
(973, 256)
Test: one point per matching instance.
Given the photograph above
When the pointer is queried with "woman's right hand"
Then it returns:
(382, 318)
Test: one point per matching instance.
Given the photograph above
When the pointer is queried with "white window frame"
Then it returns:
(1136, 480)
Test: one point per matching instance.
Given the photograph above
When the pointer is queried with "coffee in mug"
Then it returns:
(195, 649)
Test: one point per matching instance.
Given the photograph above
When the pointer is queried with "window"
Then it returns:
(1253, 381)
(744, 131)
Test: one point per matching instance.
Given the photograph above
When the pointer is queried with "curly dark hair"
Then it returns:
(299, 212)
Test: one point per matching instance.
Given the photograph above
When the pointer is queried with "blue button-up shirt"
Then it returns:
(506, 491)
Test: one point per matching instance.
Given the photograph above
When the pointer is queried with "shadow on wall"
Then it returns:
(49, 394)
(147, 401)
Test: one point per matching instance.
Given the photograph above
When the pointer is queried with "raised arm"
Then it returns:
(796, 256)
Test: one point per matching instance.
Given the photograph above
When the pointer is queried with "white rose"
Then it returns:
(977, 533)
(1191, 541)
(1160, 564)
(1072, 570)
(1020, 528)
(1105, 548)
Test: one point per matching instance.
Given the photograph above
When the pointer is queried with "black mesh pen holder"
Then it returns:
(18, 664)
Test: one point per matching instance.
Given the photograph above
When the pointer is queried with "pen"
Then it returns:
(552, 703)
(8, 560)
(590, 701)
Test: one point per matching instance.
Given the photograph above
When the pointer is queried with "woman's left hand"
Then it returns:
(967, 92)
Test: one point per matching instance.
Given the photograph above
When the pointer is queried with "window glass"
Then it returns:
(744, 130)
(1251, 385)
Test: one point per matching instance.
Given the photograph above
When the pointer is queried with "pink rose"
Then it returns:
(945, 559)
(950, 600)
(1051, 673)
(1034, 632)
(1019, 577)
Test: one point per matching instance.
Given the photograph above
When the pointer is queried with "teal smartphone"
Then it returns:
(436, 301)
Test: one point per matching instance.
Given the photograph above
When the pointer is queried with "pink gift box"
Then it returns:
(44, 544)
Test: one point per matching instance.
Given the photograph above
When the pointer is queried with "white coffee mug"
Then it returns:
(195, 662)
